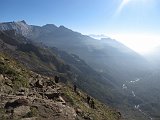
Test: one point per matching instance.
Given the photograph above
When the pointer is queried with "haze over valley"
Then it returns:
(104, 56)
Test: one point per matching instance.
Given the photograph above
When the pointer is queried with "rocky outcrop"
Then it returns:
(41, 99)
(40, 103)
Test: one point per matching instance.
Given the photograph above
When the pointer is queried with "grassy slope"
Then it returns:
(14, 71)
(78, 100)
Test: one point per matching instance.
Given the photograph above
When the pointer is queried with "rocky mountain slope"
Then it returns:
(105, 85)
(49, 61)
(26, 95)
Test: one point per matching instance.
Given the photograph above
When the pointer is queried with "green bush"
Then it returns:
(20, 81)
(10, 72)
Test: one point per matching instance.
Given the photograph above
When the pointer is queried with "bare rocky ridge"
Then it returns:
(21, 27)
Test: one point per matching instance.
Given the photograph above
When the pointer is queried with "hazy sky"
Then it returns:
(127, 20)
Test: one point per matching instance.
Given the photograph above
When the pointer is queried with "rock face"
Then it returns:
(21, 27)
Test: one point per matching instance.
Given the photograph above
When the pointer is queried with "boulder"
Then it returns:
(20, 93)
(9, 84)
(39, 84)
(6, 89)
(52, 95)
(6, 59)
(78, 111)
(23, 91)
(50, 83)
(60, 99)
(2, 63)
(2, 58)
(6, 78)
(16, 103)
(49, 89)
(21, 110)
(1, 77)
(87, 117)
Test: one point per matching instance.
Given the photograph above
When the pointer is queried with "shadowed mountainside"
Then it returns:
(107, 56)
(112, 63)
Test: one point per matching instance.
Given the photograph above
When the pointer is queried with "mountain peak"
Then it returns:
(23, 21)
(19, 26)
(49, 26)
(62, 27)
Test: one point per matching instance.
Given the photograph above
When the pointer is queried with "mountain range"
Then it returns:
(101, 68)
(102, 55)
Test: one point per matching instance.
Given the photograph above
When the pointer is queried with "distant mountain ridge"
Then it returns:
(106, 55)
(113, 63)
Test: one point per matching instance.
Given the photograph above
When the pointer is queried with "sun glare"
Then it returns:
(121, 6)
(142, 44)
(126, 2)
